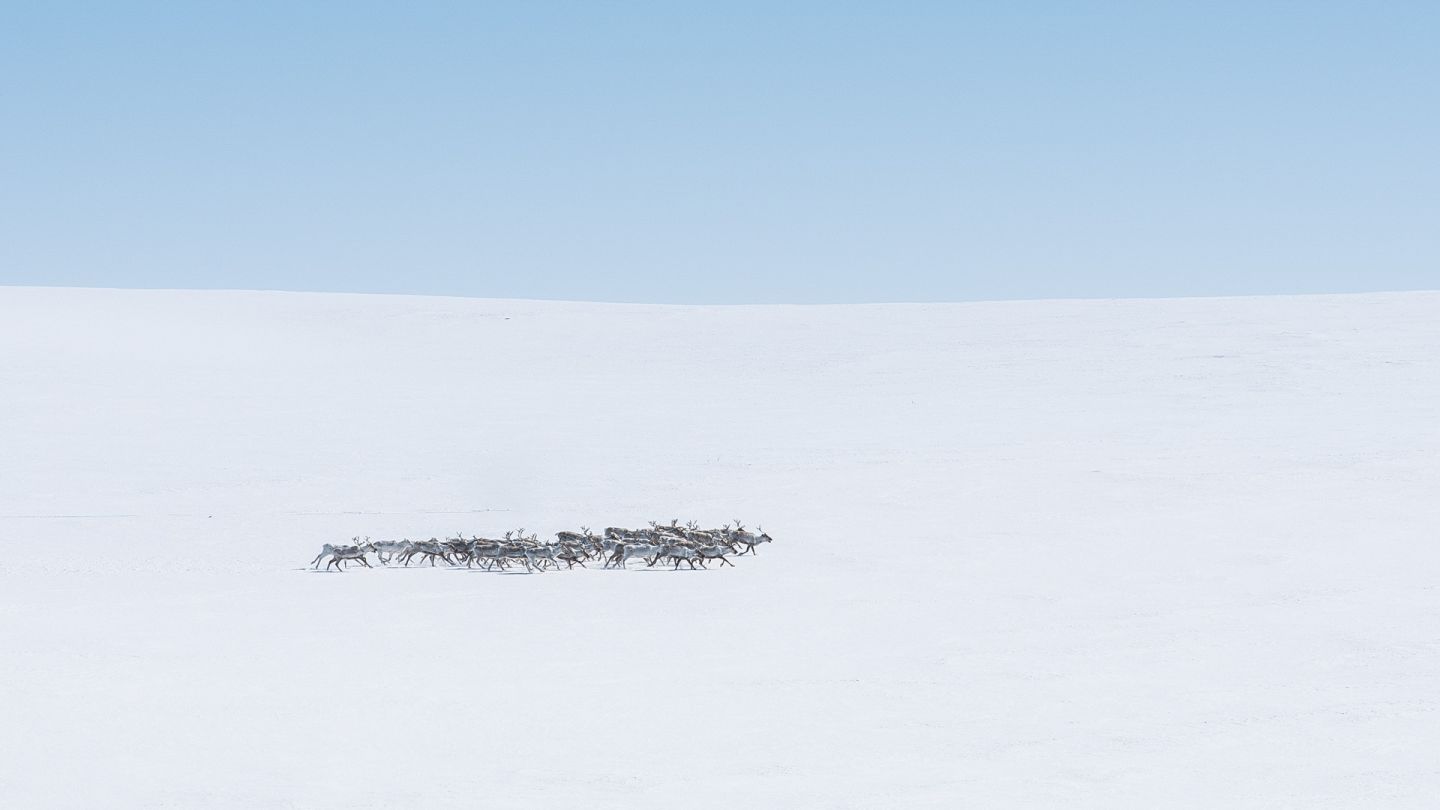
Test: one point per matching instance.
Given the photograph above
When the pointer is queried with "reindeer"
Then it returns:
(491, 551)
(459, 548)
(515, 552)
(349, 553)
(719, 551)
(629, 551)
(571, 555)
(679, 552)
(431, 549)
(329, 550)
(688, 544)
(748, 539)
(387, 550)
(539, 555)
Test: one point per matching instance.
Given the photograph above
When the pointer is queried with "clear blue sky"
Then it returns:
(724, 152)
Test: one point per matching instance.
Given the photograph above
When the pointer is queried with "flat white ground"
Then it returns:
(1049, 554)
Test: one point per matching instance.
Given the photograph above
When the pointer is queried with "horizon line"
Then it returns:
(898, 302)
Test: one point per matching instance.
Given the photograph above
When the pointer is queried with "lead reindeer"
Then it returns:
(748, 539)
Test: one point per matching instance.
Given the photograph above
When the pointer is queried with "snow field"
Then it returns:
(1034, 554)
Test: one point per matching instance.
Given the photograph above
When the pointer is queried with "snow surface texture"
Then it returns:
(1046, 554)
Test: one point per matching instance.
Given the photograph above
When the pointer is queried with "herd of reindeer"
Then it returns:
(688, 544)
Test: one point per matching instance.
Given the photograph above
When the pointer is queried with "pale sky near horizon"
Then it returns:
(724, 152)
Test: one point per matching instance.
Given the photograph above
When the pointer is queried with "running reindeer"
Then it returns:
(673, 543)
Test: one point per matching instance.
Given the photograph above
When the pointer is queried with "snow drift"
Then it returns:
(1042, 554)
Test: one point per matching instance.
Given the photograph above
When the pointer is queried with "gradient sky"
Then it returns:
(723, 152)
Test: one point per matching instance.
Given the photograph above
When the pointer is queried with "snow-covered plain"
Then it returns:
(1094, 554)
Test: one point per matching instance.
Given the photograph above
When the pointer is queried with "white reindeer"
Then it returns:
(329, 550)
(629, 551)
(719, 551)
(340, 555)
